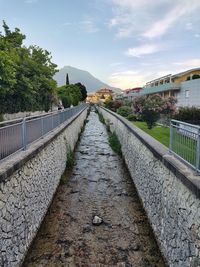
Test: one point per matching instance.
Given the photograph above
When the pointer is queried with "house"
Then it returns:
(185, 86)
(100, 96)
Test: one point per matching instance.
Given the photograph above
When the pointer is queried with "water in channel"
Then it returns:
(98, 185)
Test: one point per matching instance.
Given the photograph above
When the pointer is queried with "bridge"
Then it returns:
(142, 209)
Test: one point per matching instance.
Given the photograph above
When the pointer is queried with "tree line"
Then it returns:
(26, 77)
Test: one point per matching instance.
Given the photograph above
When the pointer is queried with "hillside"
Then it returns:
(76, 75)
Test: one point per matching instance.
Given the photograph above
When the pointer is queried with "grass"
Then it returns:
(69, 165)
(183, 146)
(160, 133)
(114, 143)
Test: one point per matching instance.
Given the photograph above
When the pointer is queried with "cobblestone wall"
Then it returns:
(169, 192)
(26, 194)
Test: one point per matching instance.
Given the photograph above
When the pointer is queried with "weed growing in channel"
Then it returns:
(114, 143)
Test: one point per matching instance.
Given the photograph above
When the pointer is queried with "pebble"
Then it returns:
(97, 220)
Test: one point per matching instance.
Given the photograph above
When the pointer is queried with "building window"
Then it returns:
(187, 93)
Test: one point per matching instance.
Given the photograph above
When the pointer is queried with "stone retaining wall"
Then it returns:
(168, 189)
(28, 182)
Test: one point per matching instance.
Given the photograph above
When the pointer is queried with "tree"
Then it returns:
(82, 90)
(67, 79)
(69, 95)
(26, 74)
(149, 108)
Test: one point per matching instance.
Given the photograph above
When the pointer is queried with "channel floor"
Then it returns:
(99, 184)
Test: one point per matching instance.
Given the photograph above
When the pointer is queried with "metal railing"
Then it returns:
(18, 136)
(185, 143)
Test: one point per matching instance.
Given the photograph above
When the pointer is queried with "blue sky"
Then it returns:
(122, 42)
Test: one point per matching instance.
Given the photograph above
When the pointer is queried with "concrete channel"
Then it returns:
(99, 185)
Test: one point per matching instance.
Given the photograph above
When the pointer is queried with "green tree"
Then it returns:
(69, 95)
(26, 74)
(82, 90)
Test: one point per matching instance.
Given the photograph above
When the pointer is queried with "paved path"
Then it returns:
(99, 185)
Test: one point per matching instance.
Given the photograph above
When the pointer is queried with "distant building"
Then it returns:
(185, 86)
(100, 96)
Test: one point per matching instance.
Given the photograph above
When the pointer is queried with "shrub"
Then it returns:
(188, 114)
(132, 117)
(124, 111)
(149, 108)
(113, 105)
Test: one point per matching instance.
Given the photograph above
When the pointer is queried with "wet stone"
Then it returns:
(100, 185)
(97, 220)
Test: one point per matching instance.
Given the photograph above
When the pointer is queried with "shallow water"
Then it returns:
(98, 185)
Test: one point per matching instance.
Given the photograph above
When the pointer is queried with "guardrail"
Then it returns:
(185, 143)
(18, 136)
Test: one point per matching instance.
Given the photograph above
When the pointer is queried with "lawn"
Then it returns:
(160, 133)
(182, 145)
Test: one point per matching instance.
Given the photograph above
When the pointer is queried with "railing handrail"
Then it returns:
(17, 136)
(186, 124)
(11, 122)
(185, 143)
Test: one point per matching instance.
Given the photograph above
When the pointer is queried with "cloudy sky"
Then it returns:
(122, 42)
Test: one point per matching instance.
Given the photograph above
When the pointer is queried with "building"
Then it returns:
(185, 86)
(129, 94)
(100, 96)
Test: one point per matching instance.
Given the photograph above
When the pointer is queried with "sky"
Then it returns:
(124, 43)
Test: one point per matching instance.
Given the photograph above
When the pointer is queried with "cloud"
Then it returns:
(30, 1)
(145, 49)
(148, 18)
(188, 64)
(89, 26)
(189, 26)
(197, 35)
(128, 79)
(67, 23)
(116, 64)
(161, 26)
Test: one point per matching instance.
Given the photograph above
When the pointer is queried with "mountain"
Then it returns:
(76, 75)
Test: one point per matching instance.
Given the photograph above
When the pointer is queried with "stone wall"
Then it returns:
(28, 182)
(168, 189)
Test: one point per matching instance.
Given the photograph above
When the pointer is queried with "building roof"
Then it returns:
(105, 91)
(184, 72)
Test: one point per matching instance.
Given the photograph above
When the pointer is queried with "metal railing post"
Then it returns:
(51, 121)
(42, 126)
(171, 136)
(197, 163)
(24, 137)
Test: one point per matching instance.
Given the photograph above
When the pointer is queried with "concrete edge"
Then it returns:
(180, 170)
(14, 162)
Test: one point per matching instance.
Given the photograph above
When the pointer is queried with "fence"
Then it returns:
(18, 136)
(185, 142)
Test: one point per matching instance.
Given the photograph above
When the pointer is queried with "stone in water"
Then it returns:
(97, 220)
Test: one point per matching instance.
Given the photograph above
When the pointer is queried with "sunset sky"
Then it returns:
(125, 43)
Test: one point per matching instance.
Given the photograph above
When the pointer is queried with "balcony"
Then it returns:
(160, 88)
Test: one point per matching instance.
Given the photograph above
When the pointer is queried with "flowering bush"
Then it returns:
(149, 108)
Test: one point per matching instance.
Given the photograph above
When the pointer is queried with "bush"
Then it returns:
(188, 114)
(150, 107)
(124, 111)
(132, 117)
(113, 105)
